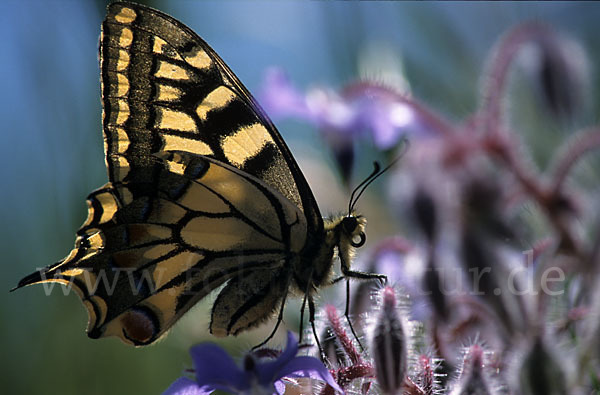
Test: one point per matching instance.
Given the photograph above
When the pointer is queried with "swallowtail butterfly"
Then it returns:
(203, 193)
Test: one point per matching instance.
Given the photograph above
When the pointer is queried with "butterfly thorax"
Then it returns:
(341, 235)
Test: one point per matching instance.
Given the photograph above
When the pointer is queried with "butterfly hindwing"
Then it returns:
(244, 300)
(139, 271)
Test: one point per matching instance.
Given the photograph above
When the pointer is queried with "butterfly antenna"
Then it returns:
(371, 179)
(376, 168)
(358, 191)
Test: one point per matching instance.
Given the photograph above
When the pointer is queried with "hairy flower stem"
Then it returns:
(550, 197)
(580, 144)
(340, 333)
(552, 200)
(495, 82)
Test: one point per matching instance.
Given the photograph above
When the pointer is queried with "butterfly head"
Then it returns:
(353, 227)
(347, 233)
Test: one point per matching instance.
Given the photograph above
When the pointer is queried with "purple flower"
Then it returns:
(280, 98)
(216, 370)
(361, 108)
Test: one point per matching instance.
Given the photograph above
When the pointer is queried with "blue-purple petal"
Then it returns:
(280, 98)
(279, 387)
(308, 367)
(290, 351)
(185, 386)
(267, 372)
(216, 369)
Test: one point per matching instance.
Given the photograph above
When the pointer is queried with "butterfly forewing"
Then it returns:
(165, 89)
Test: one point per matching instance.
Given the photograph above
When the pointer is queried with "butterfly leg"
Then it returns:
(279, 320)
(364, 276)
(301, 329)
(358, 275)
(311, 311)
(347, 315)
(347, 273)
(347, 311)
(306, 292)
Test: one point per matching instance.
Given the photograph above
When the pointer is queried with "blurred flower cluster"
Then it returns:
(494, 282)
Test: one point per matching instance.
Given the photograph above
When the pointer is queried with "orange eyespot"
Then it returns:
(140, 325)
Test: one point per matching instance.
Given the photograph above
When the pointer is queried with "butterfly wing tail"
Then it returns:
(45, 275)
(33, 278)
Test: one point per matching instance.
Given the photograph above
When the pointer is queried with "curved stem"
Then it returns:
(539, 191)
(577, 146)
(495, 81)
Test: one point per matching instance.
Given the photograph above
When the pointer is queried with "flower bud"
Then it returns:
(425, 213)
(331, 347)
(561, 72)
(389, 346)
(540, 373)
(473, 379)
(426, 376)
(432, 284)
(482, 201)
(478, 261)
(343, 151)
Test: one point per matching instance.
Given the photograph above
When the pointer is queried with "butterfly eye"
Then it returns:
(349, 224)
(362, 238)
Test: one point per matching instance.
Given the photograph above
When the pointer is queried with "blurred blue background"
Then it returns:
(52, 143)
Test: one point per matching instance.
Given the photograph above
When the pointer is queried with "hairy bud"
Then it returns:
(425, 213)
(389, 346)
(473, 379)
(540, 373)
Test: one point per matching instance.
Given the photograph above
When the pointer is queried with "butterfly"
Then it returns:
(203, 194)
